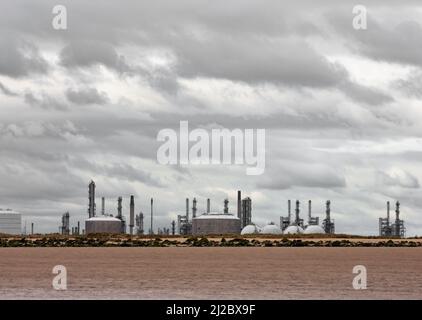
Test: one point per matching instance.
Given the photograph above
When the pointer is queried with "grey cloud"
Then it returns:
(7, 91)
(87, 96)
(382, 40)
(91, 53)
(258, 60)
(359, 93)
(412, 86)
(405, 179)
(302, 175)
(20, 58)
(44, 101)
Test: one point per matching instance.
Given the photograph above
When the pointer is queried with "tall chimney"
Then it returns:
(297, 213)
(91, 198)
(309, 211)
(152, 226)
(397, 211)
(208, 205)
(194, 208)
(239, 204)
(398, 219)
(289, 210)
(132, 214)
(103, 206)
(187, 209)
(388, 213)
(119, 208)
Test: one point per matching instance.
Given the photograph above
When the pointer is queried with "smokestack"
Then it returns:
(239, 204)
(187, 209)
(132, 214)
(152, 225)
(119, 208)
(309, 211)
(194, 208)
(103, 206)
(208, 205)
(397, 219)
(297, 213)
(226, 206)
(289, 210)
(388, 213)
(91, 198)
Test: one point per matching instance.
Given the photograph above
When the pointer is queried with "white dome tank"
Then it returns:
(314, 229)
(293, 230)
(271, 229)
(250, 229)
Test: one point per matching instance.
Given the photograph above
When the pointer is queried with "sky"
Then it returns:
(341, 107)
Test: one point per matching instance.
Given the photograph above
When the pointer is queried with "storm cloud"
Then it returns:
(341, 107)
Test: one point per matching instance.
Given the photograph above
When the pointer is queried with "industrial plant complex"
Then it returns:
(195, 223)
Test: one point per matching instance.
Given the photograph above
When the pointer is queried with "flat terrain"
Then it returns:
(211, 273)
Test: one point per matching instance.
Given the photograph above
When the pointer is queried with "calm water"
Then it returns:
(211, 273)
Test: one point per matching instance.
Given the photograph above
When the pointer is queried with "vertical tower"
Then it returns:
(79, 228)
(309, 212)
(194, 208)
(246, 212)
(239, 204)
(226, 205)
(141, 223)
(132, 214)
(388, 213)
(91, 198)
(297, 221)
(32, 228)
(152, 217)
(173, 227)
(328, 225)
(187, 209)
(119, 208)
(208, 205)
(397, 223)
(66, 224)
(103, 206)
(289, 210)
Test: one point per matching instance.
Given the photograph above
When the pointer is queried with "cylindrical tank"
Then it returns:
(103, 225)
(215, 223)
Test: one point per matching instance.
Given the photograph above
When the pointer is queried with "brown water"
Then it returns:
(211, 273)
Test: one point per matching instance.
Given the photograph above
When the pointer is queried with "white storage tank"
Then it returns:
(314, 229)
(250, 229)
(10, 222)
(271, 229)
(293, 230)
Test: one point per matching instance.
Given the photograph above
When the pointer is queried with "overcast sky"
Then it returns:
(341, 107)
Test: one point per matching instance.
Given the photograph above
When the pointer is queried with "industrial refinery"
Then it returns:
(195, 222)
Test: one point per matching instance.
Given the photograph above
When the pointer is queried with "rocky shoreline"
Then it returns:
(110, 241)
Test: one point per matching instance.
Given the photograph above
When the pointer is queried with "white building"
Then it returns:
(10, 222)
